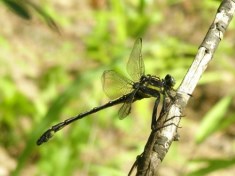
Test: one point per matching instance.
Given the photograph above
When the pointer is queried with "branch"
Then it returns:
(160, 140)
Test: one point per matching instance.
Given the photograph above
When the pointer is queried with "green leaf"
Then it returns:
(212, 120)
(211, 165)
(48, 19)
(21, 8)
(228, 121)
(18, 8)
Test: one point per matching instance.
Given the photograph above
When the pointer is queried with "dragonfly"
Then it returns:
(124, 91)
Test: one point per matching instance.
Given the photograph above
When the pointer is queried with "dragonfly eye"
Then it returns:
(169, 81)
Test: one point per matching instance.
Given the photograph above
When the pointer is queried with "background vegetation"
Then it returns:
(52, 55)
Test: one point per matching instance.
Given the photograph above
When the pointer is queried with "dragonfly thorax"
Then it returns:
(154, 81)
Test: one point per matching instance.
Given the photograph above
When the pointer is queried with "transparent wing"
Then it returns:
(125, 109)
(135, 64)
(115, 85)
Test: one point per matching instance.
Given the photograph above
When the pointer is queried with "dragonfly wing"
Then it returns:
(135, 65)
(115, 85)
(125, 110)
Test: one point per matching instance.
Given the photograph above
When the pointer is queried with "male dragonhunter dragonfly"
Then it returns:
(115, 85)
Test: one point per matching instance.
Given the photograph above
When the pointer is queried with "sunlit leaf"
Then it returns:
(212, 120)
(211, 165)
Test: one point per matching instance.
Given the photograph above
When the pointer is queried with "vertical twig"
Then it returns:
(160, 140)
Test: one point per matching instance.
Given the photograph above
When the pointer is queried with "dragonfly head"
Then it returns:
(169, 81)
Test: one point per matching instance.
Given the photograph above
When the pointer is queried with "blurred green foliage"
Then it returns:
(213, 119)
(23, 9)
(212, 165)
(61, 77)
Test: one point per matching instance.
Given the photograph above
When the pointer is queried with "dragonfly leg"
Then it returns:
(165, 106)
(154, 114)
(136, 163)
